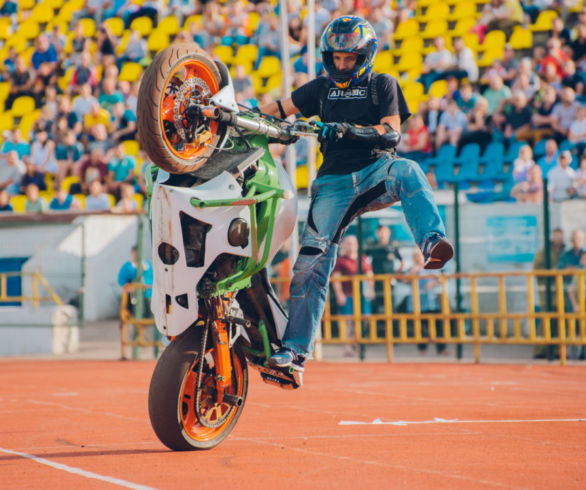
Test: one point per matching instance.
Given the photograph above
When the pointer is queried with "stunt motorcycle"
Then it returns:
(220, 210)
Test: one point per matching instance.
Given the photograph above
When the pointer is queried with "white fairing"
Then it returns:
(178, 279)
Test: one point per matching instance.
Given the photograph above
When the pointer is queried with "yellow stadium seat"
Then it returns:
(63, 82)
(123, 42)
(48, 194)
(410, 45)
(27, 55)
(190, 19)
(489, 56)
(224, 54)
(169, 25)
(131, 147)
(112, 200)
(494, 40)
(157, 40)
(18, 42)
(576, 7)
(116, 25)
(248, 52)
(144, 25)
(42, 13)
(521, 38)
(269, 66)
(257, 83)
(463, 26)
(302, 177)
(4, 90)
(544, 21)
(27, 122)
(68, 181)
(383, 62)
(49, 182)
(18, 203)
(29, 29)
(26, 4)
(409, 61)
(413, 90)
(6, 121)
(471, 41)
(435, 28)
(407, 28)
(438, 89)
(139, 199)
(89, 27)
(5, 30)
(54, 4)
(23, 105)
(130, 72)
(463, 10)
(435, 11)
(274, 82)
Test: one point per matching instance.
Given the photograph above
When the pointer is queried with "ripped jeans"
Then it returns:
(336, 201)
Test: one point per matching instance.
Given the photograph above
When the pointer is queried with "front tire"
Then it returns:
(172, 394)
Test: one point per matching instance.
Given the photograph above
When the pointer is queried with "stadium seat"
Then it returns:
(413, 91)
(139, 199)
(463, 10)
(6, 121)
(269, 66)
(192, 18)
(143, 25)
(468, 154)
(130, 72)
(23, 105)
(42, 13)
(54, 4)
(89, 27)
(435, 11)
(224, 53)
(247, 52)
(487, 58)
(116, 25)
(4, 90)
(435, 28)
(157, 41)
(26, 4)
(539, 149)
(412, 44)
(18, 42)
(493, 40)
(112, 200)
(406, 29)
(383, 62)
(438, 89)
(68, 181)
(27, 122)
(544, 21)
(29, 29)
(131, 147)
(521, 38)
(408, 62)
(49, 182)
(80, 199)
(463, 26)
(447, 153)
(18, 203)
(302, 177)
(169, 25)
(513, 151)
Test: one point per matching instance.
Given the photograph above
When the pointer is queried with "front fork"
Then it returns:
(222, 357)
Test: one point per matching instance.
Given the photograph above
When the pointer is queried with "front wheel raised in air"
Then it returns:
(182, 420)
(171, 130)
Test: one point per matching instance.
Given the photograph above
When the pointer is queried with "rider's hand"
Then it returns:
(331, 131)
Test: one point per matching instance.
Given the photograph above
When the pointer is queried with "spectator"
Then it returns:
(82, 104)
(496, 94)
(517, 117)
(432, 115)
(428, 299)
(106, 44)
(236, 25)
(510, 65)
(93, 168)
(97, 200)
(62, 200)
(11, 171)
(5, 206)
(573, 292)
(479, 127)
(385, 259)
(561, 178)
(577, 131)
(549, 160)
(383, 27)
(43, 153)
(68, 155)
(555, 56)
(110, 95)
(128, 274)
(573, 79)
(120, 169)
(347, 265)
(32, 176)
(241, 80)
(416, 143)
(436, 63)
(465, 98)
(44, 53)
(465, 59)
(72, 118)
(570, 259)
(124, 123)
(127, 203)
(270, 42)
(34, 202)
(451, 125)
(580, 182)
(79, 44)
(531, 189)
(564, 113)
(499, 15)
(526, 69)
(578, 46)
(522, 164)
(21, 83)
(135, 51)
(84, 73)
(14, 142)
(542, 119)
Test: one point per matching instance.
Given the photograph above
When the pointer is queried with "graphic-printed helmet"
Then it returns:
(348, 34)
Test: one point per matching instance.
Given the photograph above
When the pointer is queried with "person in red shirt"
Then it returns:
(347, 265)
(555, 56)
(416, 144)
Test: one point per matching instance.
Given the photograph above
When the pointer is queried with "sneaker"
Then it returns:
(287, 358)
(437, 250)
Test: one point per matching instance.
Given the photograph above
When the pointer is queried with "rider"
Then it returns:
(361, 112)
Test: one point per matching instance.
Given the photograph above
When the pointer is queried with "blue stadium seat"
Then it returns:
(469, 154)
(513, 151)
(447, 153)
(495, 151)
(539, 149)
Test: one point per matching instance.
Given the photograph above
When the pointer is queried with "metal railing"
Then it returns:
(135, 322)
(527, 325)
(38, 282)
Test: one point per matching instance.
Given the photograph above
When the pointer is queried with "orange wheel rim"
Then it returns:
(188, 417)
(190, 80)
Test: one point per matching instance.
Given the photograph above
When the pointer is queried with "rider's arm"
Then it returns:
(272, 109)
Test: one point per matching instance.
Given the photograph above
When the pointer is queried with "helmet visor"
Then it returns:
(343, 41)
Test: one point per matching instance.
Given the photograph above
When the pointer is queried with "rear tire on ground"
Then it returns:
(172, 395)
(154, 90)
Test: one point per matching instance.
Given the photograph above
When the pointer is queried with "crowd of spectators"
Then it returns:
(85, 131)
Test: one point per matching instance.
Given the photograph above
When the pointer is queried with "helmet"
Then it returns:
(348, 34)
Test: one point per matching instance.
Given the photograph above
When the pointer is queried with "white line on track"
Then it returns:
(77, 471)
(438, 420)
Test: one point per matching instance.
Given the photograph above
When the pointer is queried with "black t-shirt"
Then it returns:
(519, 118)
(353, 105)
(383, 257)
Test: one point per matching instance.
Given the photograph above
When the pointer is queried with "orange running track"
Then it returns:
(84, 424)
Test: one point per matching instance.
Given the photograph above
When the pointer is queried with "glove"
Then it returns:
(331, 131)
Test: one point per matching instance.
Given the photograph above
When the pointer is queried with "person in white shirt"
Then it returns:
(577, 133)
(436, 63)
(580, 182)
(561, 178)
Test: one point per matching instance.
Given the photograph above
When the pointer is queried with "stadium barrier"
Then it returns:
(37, 281)
(530, 325)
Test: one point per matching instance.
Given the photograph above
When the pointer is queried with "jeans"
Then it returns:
(336, 201)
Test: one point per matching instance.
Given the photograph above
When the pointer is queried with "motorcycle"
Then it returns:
(220, 209)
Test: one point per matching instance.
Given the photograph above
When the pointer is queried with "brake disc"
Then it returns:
(193, 91)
